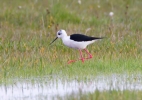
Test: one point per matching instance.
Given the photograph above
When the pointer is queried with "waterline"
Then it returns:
(53, 88)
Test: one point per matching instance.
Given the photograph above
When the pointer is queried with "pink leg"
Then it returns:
(78, 59)
(90, 55)
(81, 56)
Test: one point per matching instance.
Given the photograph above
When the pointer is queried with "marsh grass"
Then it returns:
(27, 28)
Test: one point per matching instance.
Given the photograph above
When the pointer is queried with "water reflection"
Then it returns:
(50, 88)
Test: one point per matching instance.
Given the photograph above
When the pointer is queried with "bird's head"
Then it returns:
(60, 34)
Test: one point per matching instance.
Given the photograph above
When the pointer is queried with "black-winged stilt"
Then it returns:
(76, 41)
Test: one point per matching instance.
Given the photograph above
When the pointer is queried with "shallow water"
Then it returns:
(52, 88)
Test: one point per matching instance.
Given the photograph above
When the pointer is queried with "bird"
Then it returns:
(76, 41)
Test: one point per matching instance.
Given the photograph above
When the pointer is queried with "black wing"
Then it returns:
(81, 37)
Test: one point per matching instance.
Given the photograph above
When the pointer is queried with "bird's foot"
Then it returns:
(90, 56)
(71, 61)
(82, 59)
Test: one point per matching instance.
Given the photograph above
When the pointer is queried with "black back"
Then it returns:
(81, 37)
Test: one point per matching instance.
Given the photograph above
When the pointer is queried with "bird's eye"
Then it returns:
(59, 33)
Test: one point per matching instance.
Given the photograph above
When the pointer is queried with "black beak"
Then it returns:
(53, 40)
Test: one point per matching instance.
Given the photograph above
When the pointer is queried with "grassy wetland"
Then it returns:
(27, 28)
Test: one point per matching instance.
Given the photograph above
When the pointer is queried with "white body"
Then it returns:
(74, 44)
